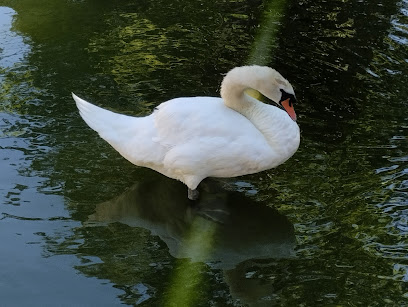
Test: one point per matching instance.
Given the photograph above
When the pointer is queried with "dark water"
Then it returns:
(80, 225)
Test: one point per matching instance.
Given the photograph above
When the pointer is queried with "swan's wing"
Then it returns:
(183, 119)
(203, 135)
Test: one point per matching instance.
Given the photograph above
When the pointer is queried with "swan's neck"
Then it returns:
(233, 92)
(279, 130)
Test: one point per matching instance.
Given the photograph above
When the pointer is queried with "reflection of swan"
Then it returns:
(241, 229)
(190, 139)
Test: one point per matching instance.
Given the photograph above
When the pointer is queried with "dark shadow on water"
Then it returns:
(245, 229)
(224, 229)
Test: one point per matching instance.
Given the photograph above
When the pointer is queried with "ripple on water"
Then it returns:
(394, 179)
(13, 49)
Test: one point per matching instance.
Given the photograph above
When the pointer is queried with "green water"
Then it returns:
(79, 225)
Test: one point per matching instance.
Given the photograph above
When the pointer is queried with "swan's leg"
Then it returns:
(193, 194)
(192, 181)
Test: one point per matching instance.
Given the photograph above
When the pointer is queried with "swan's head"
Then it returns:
(275, 87)
(265, 80)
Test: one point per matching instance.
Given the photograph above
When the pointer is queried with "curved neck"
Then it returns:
(279, 130)
(261, 78)
(233, 90)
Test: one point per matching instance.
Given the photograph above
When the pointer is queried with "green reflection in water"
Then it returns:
(188, 277)
(265, 40)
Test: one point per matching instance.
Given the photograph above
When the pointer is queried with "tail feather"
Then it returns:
(108, 124)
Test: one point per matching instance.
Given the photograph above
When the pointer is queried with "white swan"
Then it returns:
(192, 138)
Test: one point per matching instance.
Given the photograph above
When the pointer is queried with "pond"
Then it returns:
(79, 225)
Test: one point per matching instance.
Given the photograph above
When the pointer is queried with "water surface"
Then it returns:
(80, 225)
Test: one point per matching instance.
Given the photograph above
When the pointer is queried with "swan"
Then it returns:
(191, 138)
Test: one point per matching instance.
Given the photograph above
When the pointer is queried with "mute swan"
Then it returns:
(191, 138)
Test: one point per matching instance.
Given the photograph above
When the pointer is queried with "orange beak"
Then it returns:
(289, 108)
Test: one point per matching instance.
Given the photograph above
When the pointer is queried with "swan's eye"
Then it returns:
(285, 96)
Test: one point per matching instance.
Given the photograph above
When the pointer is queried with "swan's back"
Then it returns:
(185, 119)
